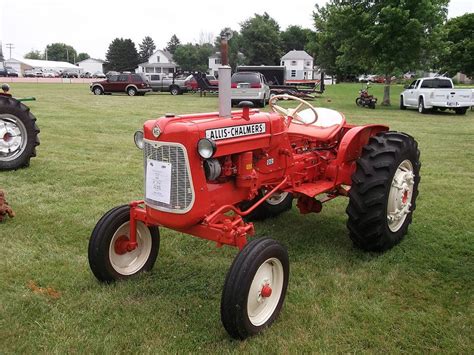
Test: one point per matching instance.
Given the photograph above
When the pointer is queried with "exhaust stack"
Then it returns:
(224, 92)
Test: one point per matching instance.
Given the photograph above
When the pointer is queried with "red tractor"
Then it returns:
(208, 176)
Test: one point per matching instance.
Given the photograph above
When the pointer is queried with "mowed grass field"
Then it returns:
(415, 298)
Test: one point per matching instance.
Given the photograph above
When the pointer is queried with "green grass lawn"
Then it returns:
(415, 298)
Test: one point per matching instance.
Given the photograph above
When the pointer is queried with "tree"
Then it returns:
(173, 44)
(295, 37)
(459, 44)
(60, 52)
(34, 54)
(122, 55)
(147, 48)
(82, 56)
(193, 56)
(260, 40)
(388, 36)
(1, 53)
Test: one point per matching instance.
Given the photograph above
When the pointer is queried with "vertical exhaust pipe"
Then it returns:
(224, 92)
(224, 78)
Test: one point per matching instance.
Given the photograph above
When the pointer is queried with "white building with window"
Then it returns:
(159, 62)
(298, 64)
(214, 64)
(91, 65)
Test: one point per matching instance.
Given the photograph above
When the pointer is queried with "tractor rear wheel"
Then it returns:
(255, 288)
(276, 204)
(384, 190)
(109, 258)
(18, 134)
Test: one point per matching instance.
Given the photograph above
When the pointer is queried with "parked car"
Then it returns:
(98, 74)
(249, 86)
(111, 72)
(70, 74)
(132, 84)
(8, 71)
(436, 93)
(192, 85)
(160, 82)
(51, 74)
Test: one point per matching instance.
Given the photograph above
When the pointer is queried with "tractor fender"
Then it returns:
(354, 140)
(350, 149)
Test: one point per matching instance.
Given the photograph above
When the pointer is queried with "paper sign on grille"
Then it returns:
(158, 181)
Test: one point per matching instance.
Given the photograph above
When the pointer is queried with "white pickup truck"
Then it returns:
(436, 93)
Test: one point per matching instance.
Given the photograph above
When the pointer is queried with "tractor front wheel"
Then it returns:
(255, 288)
(383, 192)
(359, 102)
(109, 256)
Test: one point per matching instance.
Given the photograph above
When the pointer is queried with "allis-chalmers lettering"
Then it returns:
(235, 131)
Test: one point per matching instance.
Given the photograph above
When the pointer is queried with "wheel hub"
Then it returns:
(401, 191)
(266, 291)
(12, 132)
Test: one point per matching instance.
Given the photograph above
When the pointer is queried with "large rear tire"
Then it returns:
(18, 134)
(108, 258)
(255, 288)
(384, 191)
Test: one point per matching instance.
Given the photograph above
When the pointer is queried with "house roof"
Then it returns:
(91, 60)
(157, 65)
(294, 54)
(35, 63)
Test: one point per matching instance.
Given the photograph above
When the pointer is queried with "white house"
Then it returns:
(214, 64)
(91, 65)
(298, 64)
(159, 62)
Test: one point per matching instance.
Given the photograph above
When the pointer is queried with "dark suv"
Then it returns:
(132, 84)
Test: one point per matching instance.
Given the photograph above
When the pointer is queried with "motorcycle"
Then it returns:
(365, 99)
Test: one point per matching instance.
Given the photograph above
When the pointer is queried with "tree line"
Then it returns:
(350, 37)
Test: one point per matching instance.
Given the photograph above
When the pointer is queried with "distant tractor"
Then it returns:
(208, 174)
(18, 132)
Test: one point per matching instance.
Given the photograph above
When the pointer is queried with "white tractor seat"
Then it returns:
(328, 123)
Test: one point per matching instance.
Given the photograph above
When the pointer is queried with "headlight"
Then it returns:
(206, 148)
(138, 138)
(156, 131)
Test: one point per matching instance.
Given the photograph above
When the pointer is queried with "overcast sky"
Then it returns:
(90, 25)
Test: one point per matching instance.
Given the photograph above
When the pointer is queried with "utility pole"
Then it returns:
(10, 46)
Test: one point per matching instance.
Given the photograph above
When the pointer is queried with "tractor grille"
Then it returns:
(182, 192)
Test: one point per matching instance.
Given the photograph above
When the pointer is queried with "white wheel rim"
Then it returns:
(276, 198)
(420, 107)
(259, 308)
(400, 196)
(13, 137)
(131, 262)
(97, 91)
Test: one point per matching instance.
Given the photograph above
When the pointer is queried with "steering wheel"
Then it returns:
(292, 114)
